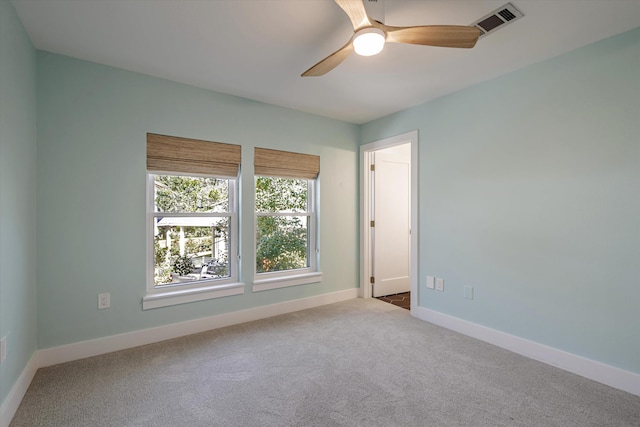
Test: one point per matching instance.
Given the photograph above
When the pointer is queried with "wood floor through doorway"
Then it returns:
(401, 300)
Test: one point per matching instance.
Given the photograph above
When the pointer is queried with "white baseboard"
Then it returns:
(597, 371)
(13, 399)
(80, 350)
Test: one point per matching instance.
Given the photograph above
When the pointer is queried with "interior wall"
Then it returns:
(17, 196)
(529, 192)
(92, 125)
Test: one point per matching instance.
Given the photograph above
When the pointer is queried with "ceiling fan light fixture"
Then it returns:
(369, 41)
(370, 36)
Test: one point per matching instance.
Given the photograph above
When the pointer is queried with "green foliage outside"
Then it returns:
(161, 267)
(191, 194)
(183, 265)
(281, 242)
(281, 194)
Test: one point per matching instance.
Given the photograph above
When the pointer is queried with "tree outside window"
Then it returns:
(282, 224)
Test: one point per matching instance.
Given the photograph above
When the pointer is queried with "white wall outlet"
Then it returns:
(3, 349)
(439, 284)
(431, 282)
(468, 292)
(104, 301)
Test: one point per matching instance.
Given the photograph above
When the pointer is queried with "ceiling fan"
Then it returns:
(370, 35)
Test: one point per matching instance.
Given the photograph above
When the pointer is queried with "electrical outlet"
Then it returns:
(431, 284)
(104, 301)
(439, 284)
(3, 349)
(468, 292)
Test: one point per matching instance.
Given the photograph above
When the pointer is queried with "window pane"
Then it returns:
(281, 243)
(187, 249)
(281, 194)
(186, 194)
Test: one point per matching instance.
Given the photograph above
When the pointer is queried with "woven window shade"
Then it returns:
(285, 164)
(184, 155)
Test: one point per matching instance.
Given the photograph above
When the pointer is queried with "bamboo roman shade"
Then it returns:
(184, 155)
(285, 164)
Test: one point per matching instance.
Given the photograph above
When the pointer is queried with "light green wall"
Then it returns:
(17, 196)
(92, 124)
(530, 193)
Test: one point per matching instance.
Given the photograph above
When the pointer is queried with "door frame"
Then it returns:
(366, 155)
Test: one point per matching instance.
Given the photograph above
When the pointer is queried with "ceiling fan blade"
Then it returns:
(356, 12)
(432, 35)
(330, 62)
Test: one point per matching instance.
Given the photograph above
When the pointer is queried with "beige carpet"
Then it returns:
(356, 363)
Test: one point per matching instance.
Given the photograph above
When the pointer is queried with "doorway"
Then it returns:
(390, 226)
(389, 217)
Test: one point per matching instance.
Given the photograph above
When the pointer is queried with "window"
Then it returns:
(193, 223)
(191, 229)
(283, 217)
(285, 200)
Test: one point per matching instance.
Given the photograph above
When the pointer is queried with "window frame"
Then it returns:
(172, 294)
(284, 278)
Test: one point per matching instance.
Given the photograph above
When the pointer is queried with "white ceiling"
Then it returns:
(257, 49)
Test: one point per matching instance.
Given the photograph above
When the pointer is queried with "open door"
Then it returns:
(391, 224)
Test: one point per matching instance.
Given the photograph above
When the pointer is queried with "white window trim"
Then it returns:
(294, 279)
(302, 276)
(166, 295)
(193, 294)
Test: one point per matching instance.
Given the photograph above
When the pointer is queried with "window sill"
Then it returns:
(286, 281)
(182, 296)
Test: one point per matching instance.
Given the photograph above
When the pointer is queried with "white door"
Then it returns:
(392, 219)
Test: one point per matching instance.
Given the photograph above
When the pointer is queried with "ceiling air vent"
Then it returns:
(497, 19)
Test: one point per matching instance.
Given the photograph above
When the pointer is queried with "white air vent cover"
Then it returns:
(497, 19)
